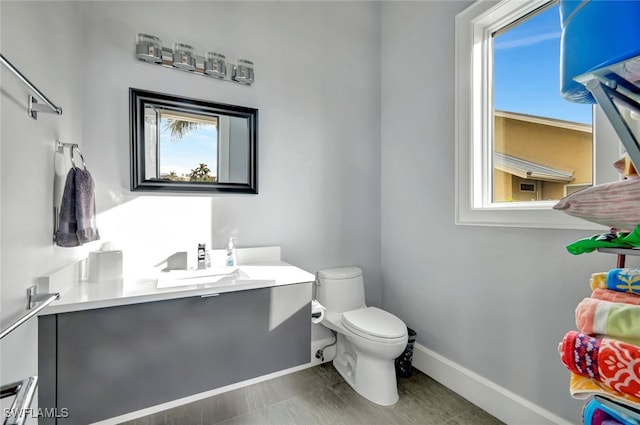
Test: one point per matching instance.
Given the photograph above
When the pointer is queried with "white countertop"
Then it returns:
(86, 295)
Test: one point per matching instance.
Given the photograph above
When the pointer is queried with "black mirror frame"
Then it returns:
(137, 100)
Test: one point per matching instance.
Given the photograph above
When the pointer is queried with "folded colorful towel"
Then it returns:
(581, 387)
(614, 363)
(595, 412)
(624, 280)
(593, 415)
(615, 296)
(621, 280)
(616, 320)
(598, 280)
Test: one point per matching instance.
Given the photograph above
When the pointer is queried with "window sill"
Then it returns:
(521, 217)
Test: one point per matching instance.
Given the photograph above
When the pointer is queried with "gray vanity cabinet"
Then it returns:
(106, 362)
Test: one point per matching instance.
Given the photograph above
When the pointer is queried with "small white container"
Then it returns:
(105, 264)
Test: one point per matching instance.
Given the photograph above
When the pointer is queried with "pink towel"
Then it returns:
(616, 320)
(615, 296)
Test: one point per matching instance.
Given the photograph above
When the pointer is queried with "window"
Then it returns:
(532, 124)
(572, 188)
(507, 136)
(527, 187)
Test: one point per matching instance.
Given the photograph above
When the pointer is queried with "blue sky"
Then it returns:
(527, 70)
(196, 146)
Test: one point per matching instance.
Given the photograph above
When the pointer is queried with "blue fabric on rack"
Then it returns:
(616, 414)
(595, 34)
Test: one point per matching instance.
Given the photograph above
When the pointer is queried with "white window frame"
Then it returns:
(473, 117)
(578, 185)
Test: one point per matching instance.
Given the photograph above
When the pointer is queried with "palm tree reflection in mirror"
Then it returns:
(185, 140)
(179, 128)
(201, 174)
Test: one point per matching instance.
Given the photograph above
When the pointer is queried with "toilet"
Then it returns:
(368, 338)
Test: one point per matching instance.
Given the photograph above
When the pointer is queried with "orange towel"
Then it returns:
(581, 387)
(615, 296)
(614, 363)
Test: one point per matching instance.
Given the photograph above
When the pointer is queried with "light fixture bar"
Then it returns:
(149, 49)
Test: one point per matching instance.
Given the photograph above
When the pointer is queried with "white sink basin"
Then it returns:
(196, 277)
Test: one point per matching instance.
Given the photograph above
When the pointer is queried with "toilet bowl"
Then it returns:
(368, 338)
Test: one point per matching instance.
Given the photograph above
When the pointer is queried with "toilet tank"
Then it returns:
(341, 289)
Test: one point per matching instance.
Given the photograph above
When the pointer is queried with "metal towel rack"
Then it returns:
(32, 298)
(72, 147)
(33, 106)
(24, 391)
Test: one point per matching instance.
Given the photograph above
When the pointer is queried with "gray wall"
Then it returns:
(317, 89)
(356, 167)
(319, 149)
(495, 300)
(43, 40)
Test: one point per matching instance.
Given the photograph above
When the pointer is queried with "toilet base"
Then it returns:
(371, 377)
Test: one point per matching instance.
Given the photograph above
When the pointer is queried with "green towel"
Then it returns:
(611, 239)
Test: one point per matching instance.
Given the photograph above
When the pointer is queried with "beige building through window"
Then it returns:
(539, 159)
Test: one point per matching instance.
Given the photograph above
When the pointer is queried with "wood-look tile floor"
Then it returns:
(319, 396)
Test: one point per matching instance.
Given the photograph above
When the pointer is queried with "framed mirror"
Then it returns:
(191, 145)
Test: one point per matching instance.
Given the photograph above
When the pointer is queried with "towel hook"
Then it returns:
(72, 146)
(75, 146)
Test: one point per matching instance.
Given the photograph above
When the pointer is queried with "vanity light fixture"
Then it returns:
(243, 72)
(149, 48)
(215, 65)
(183, 57)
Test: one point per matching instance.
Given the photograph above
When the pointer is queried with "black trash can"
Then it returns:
(404, 362)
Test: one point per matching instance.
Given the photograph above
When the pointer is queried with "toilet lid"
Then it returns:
(375, 322)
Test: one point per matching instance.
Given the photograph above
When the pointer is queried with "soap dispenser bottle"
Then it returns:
(231, 254)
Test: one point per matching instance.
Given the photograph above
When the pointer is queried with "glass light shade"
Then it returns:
(214, 65)
(184, 57)
(243, 71)
(149, 48)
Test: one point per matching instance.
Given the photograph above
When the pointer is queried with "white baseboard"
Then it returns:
(505, 405)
